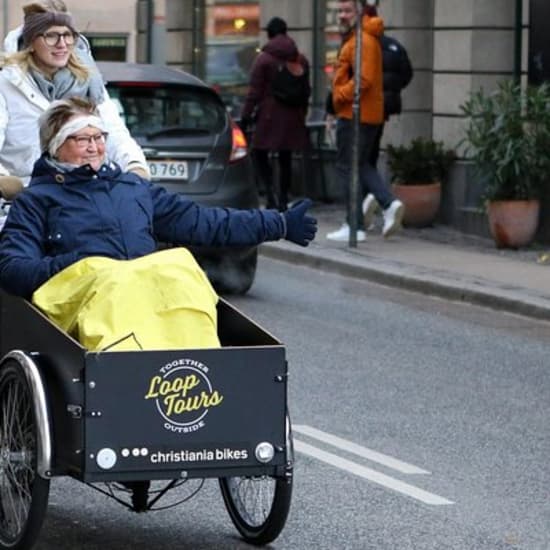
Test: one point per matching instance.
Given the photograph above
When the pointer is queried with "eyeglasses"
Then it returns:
(83, 141)
(52, 38)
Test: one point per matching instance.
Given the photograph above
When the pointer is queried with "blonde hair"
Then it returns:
(25, 60)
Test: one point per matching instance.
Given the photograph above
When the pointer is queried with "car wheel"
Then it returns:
(233, 274)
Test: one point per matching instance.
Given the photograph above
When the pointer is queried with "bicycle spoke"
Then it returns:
(253, 497)
(17, 456)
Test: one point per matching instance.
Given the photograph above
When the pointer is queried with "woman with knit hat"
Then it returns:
(47, 59)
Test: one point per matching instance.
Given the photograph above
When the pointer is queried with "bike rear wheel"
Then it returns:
(259, 505)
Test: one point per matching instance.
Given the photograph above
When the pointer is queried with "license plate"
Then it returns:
(169, 169)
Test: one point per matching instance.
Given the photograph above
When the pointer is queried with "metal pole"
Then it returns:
(5, 26)
(198, 38)
(150, 17)
(356, 123)
(316, 55)
(518, 40)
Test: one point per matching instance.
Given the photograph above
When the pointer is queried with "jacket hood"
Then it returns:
(282, 47)
(11, 40)
(45, 172)
(373, 26)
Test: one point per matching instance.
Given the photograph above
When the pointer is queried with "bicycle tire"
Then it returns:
(23, 493)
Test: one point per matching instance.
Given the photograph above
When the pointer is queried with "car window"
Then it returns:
(152, 108)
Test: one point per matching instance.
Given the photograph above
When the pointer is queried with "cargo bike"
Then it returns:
(118, 420)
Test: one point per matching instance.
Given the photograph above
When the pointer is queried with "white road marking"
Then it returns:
(359, 450)
(371, 475)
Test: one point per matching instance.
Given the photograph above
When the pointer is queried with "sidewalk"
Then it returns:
(438, 261)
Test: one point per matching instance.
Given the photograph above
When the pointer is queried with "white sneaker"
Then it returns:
(342, 234)
(393, 217)
(369, 208)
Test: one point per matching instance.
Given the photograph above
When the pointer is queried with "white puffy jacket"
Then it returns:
(22, 103)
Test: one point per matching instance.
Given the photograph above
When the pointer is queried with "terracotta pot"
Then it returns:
(421, 202)
(513, 223)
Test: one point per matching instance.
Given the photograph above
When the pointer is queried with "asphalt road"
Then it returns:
(419, 424)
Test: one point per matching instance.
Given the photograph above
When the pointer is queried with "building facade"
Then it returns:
(455, 48)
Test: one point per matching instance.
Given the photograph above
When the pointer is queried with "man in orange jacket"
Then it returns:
(372, 116)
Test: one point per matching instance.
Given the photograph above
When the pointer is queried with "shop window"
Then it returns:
(232, 37)
(332, 38)
(539, 45)
(108, 48)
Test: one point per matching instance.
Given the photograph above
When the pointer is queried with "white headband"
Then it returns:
(71, 127)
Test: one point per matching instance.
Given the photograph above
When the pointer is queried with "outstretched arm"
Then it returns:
(182, 221)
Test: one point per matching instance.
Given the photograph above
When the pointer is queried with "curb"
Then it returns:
(442, 284)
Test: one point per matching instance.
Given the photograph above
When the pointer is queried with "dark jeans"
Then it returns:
(369, 179)
(375, 152)
(264, 170)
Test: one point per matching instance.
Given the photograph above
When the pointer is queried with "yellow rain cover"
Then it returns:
(159, 301)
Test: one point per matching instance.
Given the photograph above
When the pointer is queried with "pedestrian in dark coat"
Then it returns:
(397, 74)
(279, 127)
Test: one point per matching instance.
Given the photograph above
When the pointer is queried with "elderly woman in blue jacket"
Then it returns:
(79, 205)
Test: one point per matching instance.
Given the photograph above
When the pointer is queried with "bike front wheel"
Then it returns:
(23, 493)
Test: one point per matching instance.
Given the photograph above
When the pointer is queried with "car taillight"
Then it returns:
(239, 148)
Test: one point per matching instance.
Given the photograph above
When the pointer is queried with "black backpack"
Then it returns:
(290, 85)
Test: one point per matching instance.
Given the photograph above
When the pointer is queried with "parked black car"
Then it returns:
(193, 147)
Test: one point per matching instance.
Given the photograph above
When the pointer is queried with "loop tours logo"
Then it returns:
(183, 395)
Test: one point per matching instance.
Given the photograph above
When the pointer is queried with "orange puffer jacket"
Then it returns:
(372, 93)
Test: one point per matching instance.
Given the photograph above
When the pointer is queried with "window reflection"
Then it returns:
(152, 109)
(232, 39)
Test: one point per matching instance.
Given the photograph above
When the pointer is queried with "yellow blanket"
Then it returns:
(160, 301)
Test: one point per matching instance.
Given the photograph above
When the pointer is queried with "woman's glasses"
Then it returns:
(52, 38)
(82, 142)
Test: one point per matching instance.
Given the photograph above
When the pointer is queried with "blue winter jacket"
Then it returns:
(64, 217)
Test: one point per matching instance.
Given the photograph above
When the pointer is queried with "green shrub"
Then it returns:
(508, 139)
(422, 161)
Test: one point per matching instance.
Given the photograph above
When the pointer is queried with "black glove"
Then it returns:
(300, 229)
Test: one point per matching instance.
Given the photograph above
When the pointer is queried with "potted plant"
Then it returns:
(417, 171)
(508, 139)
